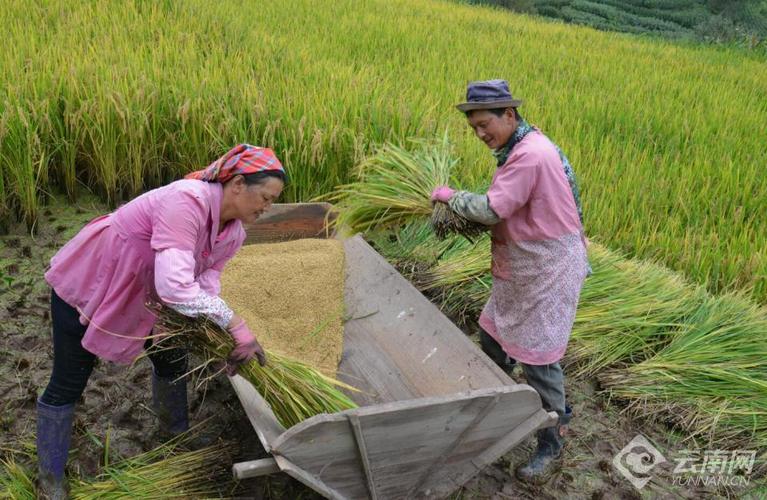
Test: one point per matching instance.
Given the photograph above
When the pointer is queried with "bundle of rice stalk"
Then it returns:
(294, 390)
(168, 471)
(412, 249)
(711, 379)
(460, 264)
(464, 302)
(394, 187)
(163, 472)
(445, 222)
(628, 310)
(16, 481)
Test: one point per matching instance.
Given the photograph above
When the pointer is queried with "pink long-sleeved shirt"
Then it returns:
(163, 246)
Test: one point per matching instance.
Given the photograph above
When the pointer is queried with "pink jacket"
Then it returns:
(539, 257)
(531, 195)
(164, 245)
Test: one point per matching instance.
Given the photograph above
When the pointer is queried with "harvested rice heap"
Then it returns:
(291, 295)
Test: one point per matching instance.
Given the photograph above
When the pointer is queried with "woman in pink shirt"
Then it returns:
(167, 246)
(538, 253)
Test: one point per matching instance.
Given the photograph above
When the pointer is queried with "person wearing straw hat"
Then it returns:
(166, 246)
(539, 260)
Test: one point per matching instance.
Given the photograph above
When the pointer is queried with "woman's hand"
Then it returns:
(246, 346)
(442, 193)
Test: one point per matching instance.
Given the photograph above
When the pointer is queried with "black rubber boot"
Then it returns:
(545, 460)
(169, 403)
(54, 432)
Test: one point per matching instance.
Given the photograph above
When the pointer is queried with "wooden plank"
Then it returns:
(402, 346)
(258, 411)
(405, 443)
(309, 480)
(371, 370)
(402, 440)
(485, 405)
(255, 468)
(354, 421)
(457, 470)
(324, 448)
(291, 221)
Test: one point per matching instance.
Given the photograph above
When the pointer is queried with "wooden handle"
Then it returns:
(255, 468)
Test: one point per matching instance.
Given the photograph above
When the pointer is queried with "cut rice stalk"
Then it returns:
(294, 390)
(167, 471)
(444, 222)
(394, 186)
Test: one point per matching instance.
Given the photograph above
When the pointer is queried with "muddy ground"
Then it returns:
(117, 401)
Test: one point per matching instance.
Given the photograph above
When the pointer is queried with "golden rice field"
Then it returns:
(668, 141)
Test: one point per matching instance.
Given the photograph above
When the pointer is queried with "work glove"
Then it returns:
(442, 193)
(246, 348)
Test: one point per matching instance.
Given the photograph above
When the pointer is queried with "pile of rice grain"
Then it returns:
(291, 295)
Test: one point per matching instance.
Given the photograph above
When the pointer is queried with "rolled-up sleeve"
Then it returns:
(513, 186)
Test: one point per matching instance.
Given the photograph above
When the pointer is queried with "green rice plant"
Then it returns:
(23, 148)
(711, 379)
(66, 137)
(459, 264)
(293, 390)
(665, 138)
(412, 248)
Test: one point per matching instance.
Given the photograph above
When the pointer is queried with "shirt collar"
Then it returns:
(502, 154)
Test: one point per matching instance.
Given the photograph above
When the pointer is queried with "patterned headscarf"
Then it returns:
(241, 159)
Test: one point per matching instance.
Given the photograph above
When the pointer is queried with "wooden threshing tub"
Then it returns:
(433, 408)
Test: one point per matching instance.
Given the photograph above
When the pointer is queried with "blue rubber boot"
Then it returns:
(545, 461)
(54, 433)
(169, 403)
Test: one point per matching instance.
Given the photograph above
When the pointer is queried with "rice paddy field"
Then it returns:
(667, 141)
(100, 102)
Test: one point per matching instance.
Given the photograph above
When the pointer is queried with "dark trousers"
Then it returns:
(72, 364)
(547, 380)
